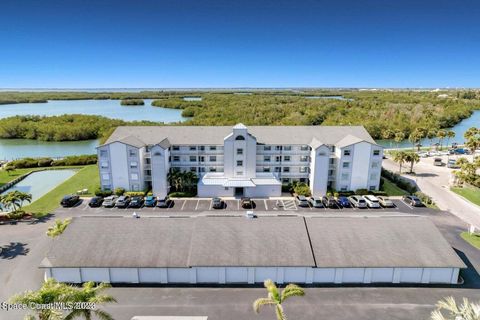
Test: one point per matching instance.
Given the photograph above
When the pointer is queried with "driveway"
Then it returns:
(434, 181)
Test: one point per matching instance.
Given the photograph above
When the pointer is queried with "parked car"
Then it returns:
(452, 163)
(372, 201)
(423, 154)
(438, 162)
(95, 202)
(357, 201)
(136, 202)
(246, 203)
(315, 202)
(329, 202)
(413, 201)
(343, 202)
(164, 202)
(122, 202)
(150, 201)
(217, 203)
(109, 202)
(385, 202)
(302, 201)
(70, 200)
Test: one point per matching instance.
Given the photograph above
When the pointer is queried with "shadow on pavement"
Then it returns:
(469, 275)
(13, 250)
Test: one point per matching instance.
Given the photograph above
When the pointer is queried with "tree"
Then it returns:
(450, 135)
(15, 199)
(416, 136)
(431, 134)
(412, 158)
(175, 179)
(9, 169)
(466, 311)
(400, 158)
(89, 293)
(275, 298)
(58, 228)
(399, 137)
(472, 136)
(441, 134)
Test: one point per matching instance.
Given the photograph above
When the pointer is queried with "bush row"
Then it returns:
(399, 181)
(49, 162)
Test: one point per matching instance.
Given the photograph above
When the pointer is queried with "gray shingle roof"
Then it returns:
(380, 242)
(214, 135)
(237, 241)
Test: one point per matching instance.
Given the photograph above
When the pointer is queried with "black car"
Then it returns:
(69, 201)
(413, 201)
(246, 203)
(95, 202)
(217, 203)
(164, 202)
(329, 202)
(136, 202)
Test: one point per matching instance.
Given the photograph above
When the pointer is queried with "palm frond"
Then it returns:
(262, 302)
(292, 290)
(103, 315)
(280, 313)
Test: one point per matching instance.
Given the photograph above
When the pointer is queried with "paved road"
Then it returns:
(434, 181)
(18, 272)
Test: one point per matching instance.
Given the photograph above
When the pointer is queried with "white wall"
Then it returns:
(360, 165)
(207, 191)
(160, 166)
(256, 275)
(319, 170)
(264, 191)
(119, 165)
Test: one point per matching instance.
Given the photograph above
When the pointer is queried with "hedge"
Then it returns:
(49, 162)
(180, 194)
(135, 193)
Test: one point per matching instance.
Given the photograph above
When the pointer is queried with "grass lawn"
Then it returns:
(473, 239)
(391, 189)
(472, 194)
(87, 177)
(5, 177)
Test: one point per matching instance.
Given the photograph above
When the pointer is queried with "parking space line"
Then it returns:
(183, 205)
(196, 207)
(266, 206)
(211, 204)
(238, 204)
(411, 208)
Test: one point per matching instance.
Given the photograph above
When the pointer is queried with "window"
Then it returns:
(240, 138)
(332, 161)
(239, 151)
(212, 169)
(343, 188)
(201, 169)
(330, 172)
(175, 148)
(104, 164)
(346, 152)
(106, 187)
(278, 148)
(213, 148)
(344, 176)
(201, 148)
(148, 160)
(239, 173)
(133, 164)
(176, 158)
(278, 158)
(373, 176)
(157, 153)
(286, 158)
(105, 176)
(278, 169)
(201, 159)
(148, 172)
(266, 158)
(285, 180)
(134, 176)
(304, 148)
(226, 188)
(193, 169)
(322, 153)
(193, 148)
(346, 164)
(286, 169)
(135, 187)
(103, 153)
(287, 148)
(193, 158)
(267, 148)
(304, 158)
(376, 152)
(372, 187)
(303, 180)
(332, 148)
(266, 169)
(147, 149)
(374, 164)
(303, 169)
(213, 158)
(132, 153)
(239, 163)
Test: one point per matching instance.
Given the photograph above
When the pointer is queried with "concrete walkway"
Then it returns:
(434, 181)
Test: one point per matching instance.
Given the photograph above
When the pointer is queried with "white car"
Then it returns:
(372, 201)
(385, 202)
(358, 201)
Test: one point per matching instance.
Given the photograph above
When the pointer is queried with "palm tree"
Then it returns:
(89, 293)
(450, 135)
(413, 158)
(175, 179)
(58, 228)
(473, 140)
(275, 298)
(388, 134)
(441, 134)
(399, 157)
(15, 199)
(466, 311)
(431, 134)
(399, 137)
(190, 179)
(416, 136)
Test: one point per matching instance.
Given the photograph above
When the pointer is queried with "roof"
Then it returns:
(348, 141)
(380, 242)
(214, 135)
(219, 179)
(266, 241)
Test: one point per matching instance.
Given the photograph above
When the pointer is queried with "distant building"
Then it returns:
(241, 161)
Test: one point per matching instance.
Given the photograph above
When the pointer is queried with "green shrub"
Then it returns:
(76, 160)
(103, 193)
(183, 194)
(287, 188)
(425, 198)
(132, 102)
(135, 193)
(45, 162)
(16, 215)
(24, 163)
(301, 189)
(361, 192)
(336, 194)
(119, 191)
(379, 193)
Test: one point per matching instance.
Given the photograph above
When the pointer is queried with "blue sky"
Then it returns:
(183, 43)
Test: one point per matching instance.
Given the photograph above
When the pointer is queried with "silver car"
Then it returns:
(109, 202)
(302, 201)
(358, 201)
(385, 202)
(316, 202)
(372, 201)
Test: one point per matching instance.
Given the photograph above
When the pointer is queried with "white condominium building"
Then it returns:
(241, 161)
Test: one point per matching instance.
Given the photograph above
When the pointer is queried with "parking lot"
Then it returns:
(265, 206)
